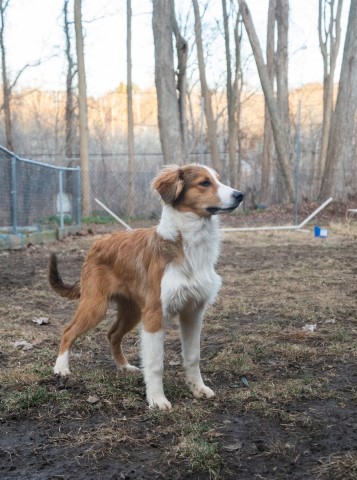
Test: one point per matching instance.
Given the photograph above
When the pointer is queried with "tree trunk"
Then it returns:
(231, 101)
(129, 111)
(343, 118)
(277, 124)
(329, 40)
(5, 81)
(238, 88)
(268, 133)
(282, 87)
(168, 116)
(182, 52)
(206, 94)
(69, 112)
(83, 119)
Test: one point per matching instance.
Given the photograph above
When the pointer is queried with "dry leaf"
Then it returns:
(309, 328)
(93, 399)
(23, 345)
(40, 320)
(234, 447)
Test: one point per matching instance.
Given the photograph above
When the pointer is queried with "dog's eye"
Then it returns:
(205, 183)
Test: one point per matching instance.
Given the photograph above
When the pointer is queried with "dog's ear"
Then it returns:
(169, 183)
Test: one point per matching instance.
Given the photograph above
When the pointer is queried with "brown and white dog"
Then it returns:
(153, 275)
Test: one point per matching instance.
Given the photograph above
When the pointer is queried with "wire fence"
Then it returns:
(35, 196)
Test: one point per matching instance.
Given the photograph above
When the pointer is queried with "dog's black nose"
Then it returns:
(238, 195)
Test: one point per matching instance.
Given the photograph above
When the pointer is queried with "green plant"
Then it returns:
(29, 397)
(98, 218)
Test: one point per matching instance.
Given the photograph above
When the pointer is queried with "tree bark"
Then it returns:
(69, 110)
(282, 85)
(182, 52)
(206, 94)
(129, 110)
(238, 88)
(277, 123)
(168, 116)
(329, 41)
(268, 133)
(343, 118)
(231, 92)
(83, 117)
(5, 81)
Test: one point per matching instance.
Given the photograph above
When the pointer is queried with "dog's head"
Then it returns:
(196, 188)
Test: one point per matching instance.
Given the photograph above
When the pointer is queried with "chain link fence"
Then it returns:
(36, 196)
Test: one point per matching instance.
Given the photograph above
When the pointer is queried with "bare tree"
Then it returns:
(83, 116)
(343, 118)
(205, 92)
(6, 88)
(238, 87)
(182, 52)
(282, 84)
(268, 133)
(277, 122)
(169, 122)
(329, 40)
(232, 94)
(69, 109)
(130, 108)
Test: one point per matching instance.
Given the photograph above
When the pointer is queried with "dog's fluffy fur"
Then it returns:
(154, 275)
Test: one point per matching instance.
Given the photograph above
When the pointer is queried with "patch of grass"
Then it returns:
(339, 466)
(25, 399)
(97, 441)
(113, 387)
(195, 447)
(341, 334)
(98, 218)
(67, 219)
(281, 449)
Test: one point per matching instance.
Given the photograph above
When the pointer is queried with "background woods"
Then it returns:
(218, 90)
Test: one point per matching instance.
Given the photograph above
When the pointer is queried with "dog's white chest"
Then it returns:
(193, 281)
(181, 286)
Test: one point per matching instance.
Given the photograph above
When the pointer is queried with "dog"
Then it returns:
(154, 275)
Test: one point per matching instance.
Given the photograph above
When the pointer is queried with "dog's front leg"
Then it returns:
(152, 351)
(191, 324)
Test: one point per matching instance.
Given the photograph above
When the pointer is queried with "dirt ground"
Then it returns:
(285, 404)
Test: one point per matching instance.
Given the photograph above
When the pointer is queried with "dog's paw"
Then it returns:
(62, 365)
(129, 368)
(61, 371)
(159, 402)
(201, 391)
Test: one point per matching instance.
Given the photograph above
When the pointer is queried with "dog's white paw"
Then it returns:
(62, 365)
(159, 402)
(130, 368)
(201, 391)
(62, 371)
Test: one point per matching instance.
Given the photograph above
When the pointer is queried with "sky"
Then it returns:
(34, 31)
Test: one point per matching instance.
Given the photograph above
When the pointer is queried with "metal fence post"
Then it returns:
(13, 195)
(78, 178)
(60, 192)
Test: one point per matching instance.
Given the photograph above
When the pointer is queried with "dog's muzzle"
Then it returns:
(228, 206)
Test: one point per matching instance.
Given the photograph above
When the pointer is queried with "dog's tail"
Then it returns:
(69, 291)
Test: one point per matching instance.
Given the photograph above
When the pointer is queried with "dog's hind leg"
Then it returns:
(129, 315)
(89, 314)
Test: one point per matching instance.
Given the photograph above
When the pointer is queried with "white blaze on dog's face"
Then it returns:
(196, 188)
